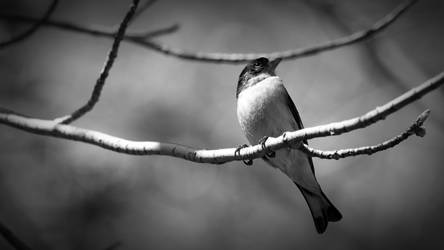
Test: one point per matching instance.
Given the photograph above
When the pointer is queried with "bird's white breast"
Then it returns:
(262, 110)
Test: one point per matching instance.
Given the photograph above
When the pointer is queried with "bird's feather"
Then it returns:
(298, 120)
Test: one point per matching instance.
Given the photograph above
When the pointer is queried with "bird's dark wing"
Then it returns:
(298, 120)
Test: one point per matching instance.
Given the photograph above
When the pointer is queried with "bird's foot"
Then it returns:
(247, 162)
(268, 152)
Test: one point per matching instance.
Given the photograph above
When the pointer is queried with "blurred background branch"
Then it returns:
(37, 23)
(233, 57)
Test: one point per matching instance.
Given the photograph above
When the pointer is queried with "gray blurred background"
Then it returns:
(58, 194)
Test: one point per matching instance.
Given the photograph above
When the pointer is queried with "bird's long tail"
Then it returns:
(321, 208)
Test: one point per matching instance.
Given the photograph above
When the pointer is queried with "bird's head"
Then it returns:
(256, 71)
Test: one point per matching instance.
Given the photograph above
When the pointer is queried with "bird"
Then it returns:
(265, 109)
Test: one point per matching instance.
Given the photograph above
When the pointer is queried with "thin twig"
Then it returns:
(51, 128)
(241, 57)
(289, 54)
(101, 32)
(414, 129)
(105, 71)
(37, 24)
(12, 238)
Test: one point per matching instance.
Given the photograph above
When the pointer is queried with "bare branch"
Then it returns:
(239, 57)
(109, 33)
(105, 71)
(12, 238)
(289, 54)
(37, 24)
(414, 129)
(52, 128)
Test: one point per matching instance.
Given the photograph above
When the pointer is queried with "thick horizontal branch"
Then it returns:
(36, 25)
(414, 129)
(235, 57)
(112, 55)
(51, 128)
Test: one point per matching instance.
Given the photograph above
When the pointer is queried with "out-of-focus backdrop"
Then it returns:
(58, 194)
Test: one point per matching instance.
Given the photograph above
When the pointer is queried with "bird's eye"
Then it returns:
(260, 62)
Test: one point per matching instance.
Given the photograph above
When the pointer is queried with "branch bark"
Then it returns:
(216, 156)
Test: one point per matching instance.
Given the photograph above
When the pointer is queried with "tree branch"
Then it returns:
(416, 128)
(237, 57)
(37, 24)
(289, 54)
(12, 238)
(52, 128)
(109, 33)
(105, 71)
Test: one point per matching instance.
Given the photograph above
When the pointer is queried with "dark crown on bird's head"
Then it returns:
(253, 69)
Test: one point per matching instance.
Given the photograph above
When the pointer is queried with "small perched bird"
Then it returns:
(265, 109)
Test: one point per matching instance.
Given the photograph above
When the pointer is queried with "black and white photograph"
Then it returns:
(221, 124)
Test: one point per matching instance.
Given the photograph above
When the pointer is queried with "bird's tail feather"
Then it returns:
(321, 209)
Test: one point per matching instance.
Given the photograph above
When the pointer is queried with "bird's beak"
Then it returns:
(274, 64)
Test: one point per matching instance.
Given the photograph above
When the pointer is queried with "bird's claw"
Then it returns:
(247, 162)
(268, 152)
